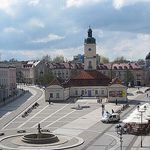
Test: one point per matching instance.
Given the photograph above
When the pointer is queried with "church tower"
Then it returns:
(90, 52)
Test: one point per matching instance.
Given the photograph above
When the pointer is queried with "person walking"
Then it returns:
(49, 101)
(103, 109)
(116, 102)
(112, 111)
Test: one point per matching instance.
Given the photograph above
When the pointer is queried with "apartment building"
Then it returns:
(7, 81)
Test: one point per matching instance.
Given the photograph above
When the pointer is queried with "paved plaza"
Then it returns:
(82, 127)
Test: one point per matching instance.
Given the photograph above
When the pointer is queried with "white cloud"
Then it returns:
(37, 54)
(12, 30)
(7, 6)
(50, 37)
(98, 32)
(131, 46)
(78, 3)
(33, 2)
(121, 3)
(34, 22)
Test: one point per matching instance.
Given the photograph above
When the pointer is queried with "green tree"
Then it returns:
(58, 59)
(46, 78)
(13, 60)
(47, 58)
(129, 77)
(120, 60)
(104, 60)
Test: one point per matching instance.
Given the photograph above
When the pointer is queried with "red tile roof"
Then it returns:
(55, 82)
(119, 66)
(89, 78)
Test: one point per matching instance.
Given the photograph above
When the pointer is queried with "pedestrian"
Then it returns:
(112, 111)
(101, 100)
(103, 109)
(49, 101)
(147, 95)
(116, 102)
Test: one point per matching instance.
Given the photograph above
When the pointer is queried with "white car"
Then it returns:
(107, 117)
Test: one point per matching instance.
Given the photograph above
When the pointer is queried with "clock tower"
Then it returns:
(90, 52)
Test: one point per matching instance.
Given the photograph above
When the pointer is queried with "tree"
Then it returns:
(46, 78)
(104, 60)
(47, 58)
(13, 60)
(58, 59)
(120, 60)
(129, 77)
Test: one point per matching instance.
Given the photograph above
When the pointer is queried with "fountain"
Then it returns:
(40, 138)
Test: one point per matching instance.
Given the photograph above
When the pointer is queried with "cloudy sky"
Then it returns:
(30, 29)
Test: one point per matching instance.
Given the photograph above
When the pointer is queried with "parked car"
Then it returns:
(108, 118)
(1, 133)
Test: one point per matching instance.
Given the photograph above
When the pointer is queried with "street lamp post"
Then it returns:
(141, 113)
(120, 130)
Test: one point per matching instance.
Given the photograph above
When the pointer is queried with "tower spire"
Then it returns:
(89, 32)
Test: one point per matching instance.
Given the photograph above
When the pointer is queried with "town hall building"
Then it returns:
(88, 82)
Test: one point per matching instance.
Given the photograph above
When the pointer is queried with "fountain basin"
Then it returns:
(41, 138)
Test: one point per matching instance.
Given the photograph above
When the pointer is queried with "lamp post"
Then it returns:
(141, 113)
(120, 130)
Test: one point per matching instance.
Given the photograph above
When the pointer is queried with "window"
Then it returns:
(76, 92)
(102, 92)
(82, 92)
(51, 95)
(57, 95)
(90, 65)
(89, 49)
(96, 92)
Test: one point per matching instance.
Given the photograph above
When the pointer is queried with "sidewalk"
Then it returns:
(13, 98)
(145, 143)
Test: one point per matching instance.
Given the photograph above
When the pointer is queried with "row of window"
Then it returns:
(84, 92)
(52, 95)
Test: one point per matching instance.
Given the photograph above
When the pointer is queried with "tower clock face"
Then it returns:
(90, 49)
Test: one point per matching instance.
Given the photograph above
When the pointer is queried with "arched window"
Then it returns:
(90, 65)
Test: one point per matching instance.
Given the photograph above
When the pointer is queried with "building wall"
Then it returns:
(139, 75)
(91, 91)
(117, 92)
(7, 81)
(62, 73)
(56, 93)
(89, 56)
(28, 75)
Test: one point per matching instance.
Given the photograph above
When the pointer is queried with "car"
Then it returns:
(108, 118)
(21, 131)
(1, 133)
(45, 130)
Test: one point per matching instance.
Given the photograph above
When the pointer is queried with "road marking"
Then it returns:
(49, 116)
(32, 117)
(59, 119)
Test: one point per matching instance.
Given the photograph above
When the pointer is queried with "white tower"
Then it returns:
(90, 52)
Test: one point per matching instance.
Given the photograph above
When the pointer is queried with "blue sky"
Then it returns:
(33, 28)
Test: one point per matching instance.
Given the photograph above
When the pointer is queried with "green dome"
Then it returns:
(148, 56)
(90, 39)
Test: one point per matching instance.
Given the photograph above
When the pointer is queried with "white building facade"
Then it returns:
(86, 83)
(7, 81)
